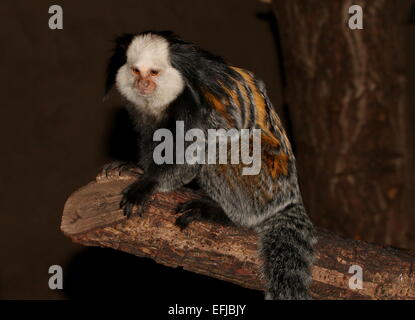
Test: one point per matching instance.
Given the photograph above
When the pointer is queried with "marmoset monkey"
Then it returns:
(166, 79)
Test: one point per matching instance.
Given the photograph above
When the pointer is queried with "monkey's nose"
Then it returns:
(145, 83)
(146, 86)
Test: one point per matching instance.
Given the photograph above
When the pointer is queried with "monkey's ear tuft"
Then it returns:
(117, 59)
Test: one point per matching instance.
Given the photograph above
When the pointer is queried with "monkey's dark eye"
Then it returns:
(135, 70)
(154, 72)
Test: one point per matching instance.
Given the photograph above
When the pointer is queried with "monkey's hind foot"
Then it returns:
(117, 169)
(201, 210)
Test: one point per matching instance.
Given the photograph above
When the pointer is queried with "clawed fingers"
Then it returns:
(116, 169)
(186, 218)
(128, 207)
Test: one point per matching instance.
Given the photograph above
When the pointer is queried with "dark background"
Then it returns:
(56, 133)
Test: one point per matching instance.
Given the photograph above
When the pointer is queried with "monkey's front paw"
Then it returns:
(135, 196)
(119, 169)
(128, 205)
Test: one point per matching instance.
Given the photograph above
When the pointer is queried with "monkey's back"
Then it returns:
(247, 106)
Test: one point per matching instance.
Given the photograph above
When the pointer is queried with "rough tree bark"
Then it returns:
(92, 217)
(347, 96)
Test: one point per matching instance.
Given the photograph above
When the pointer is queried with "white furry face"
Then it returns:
(148, 80)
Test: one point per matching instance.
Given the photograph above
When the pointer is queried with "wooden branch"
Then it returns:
(92, 217)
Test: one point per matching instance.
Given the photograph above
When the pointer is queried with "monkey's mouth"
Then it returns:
(145, 92)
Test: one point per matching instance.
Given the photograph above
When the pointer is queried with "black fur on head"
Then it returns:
(117, 59)
(201, 70)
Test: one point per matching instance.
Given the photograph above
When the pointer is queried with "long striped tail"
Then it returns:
(287, 240)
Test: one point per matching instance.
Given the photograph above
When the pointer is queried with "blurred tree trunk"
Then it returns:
(347, 96)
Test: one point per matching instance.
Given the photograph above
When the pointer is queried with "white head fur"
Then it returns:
(145, 53)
